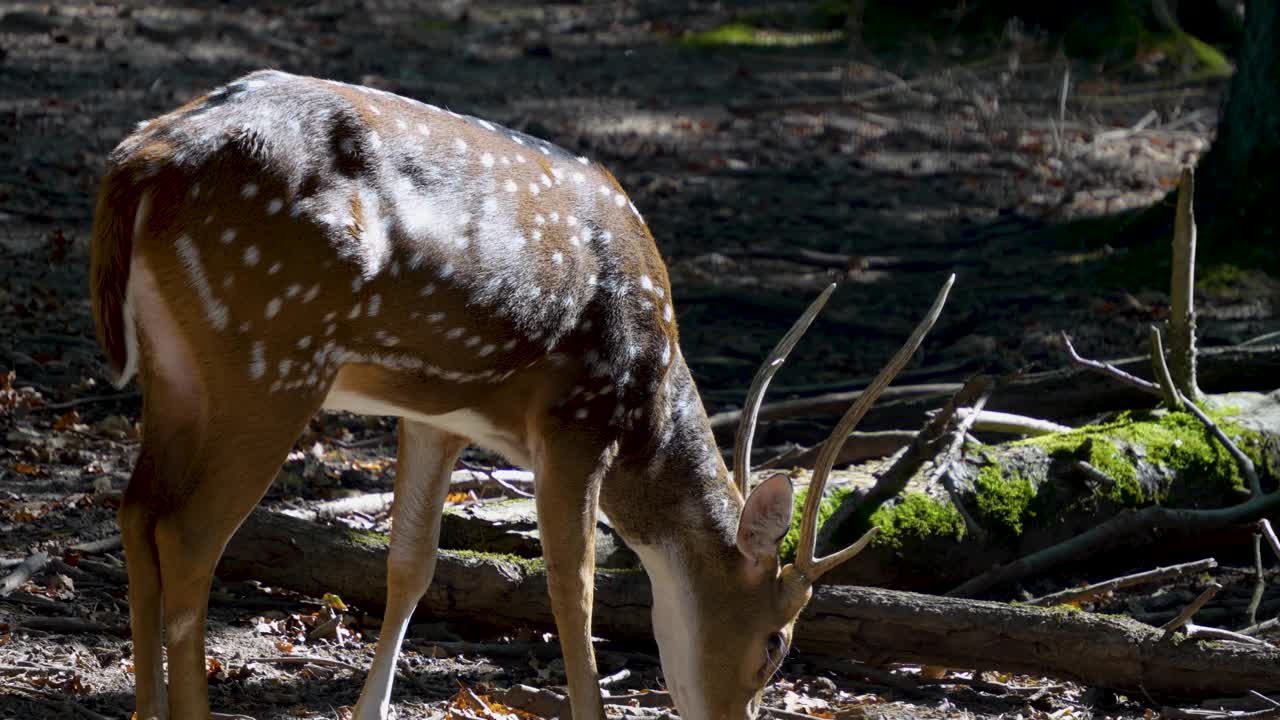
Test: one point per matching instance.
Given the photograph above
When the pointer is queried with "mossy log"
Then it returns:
(856, 623)
(510, 527)
(1002, 502)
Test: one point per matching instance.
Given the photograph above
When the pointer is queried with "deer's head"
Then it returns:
(724, 617)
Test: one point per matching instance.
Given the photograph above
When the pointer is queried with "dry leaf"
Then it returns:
(66, 421)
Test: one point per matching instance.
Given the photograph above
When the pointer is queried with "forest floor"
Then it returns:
(942, 156)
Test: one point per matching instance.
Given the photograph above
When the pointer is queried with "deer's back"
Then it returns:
(319, 223)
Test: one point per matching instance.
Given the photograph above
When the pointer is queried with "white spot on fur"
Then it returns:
(258, 360)
(214, 309)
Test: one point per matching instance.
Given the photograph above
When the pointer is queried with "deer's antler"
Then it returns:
(760, 383)
(806, 563)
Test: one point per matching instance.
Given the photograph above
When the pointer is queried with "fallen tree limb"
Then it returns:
(1092, 591)
(841, 621)
(858, 447)
(33, 564)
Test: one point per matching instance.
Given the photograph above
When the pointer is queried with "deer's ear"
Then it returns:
(765, 519)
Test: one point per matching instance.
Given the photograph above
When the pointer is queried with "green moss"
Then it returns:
(1177, 441)
(1004, 503)
(739, 33)
(529, 565)
(916, 516)
(1110, 459)
(367, 538)
(791, 540)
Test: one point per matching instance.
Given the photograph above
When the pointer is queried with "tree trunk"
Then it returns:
(856, 623)
(1236, 200)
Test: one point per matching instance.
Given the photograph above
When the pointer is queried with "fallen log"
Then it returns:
(1069, 498)
(849, 622)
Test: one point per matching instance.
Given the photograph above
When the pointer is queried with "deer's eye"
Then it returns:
(774, 645)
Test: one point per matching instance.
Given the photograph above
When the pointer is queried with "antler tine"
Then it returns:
(760, 383)
(808, 565)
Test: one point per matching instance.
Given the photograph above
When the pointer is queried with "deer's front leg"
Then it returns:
(567, 497)
(424, 464)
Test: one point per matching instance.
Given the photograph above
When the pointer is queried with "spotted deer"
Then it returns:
(286, 244)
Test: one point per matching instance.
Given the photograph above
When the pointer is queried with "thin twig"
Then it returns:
(1002, 422)
(1160, 369)
(615, 678)
(1260, 582)
(922, 448)
(1185, 616)
(1095, 474)
(1261, 627)
(1264, 526)
(1108, 369)
(55, 700)
(1180, 714)
(1264, 698)
(1246, 465)
(1266, 339)
(786, 714)
(949, 457)
(89, 401)
(375, 441)
(1096, 589)
(303, 660)
(1193, 630)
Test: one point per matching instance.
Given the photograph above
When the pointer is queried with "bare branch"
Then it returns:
(1109, 370)
(1189, 611)
(1264, 526)
(894, 479)
(1096, 589)
(1242, 460)
(1001, 422)
(1161, 371)
(304, 660)
(34, 563)
(1182, 311)
(1193, 630)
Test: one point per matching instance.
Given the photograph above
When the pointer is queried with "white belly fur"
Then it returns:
(466, 423)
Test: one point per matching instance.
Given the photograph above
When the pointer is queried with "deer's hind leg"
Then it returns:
(212, 443)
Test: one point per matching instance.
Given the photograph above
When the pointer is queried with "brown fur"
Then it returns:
(111, 247)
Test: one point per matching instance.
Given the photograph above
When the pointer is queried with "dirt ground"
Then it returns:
(942, 156)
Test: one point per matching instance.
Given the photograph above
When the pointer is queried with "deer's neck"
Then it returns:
(677, 492)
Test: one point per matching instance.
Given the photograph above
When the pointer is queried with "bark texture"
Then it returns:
(857, 623)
